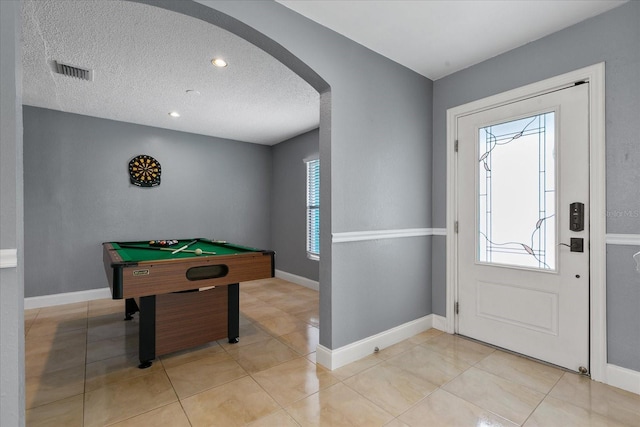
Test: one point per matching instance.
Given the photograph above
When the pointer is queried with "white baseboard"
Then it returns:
(623, 378)
(439, 323)
(66, 298)
(616, 376)
(298, 280)
(334, 359)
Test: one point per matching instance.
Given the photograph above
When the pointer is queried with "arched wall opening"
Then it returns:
(375, 146)
(281, 54)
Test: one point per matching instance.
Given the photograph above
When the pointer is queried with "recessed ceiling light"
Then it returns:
(174, 114)
(192, 92)
(219, 62)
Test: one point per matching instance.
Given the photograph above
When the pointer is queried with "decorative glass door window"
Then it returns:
(517, 193)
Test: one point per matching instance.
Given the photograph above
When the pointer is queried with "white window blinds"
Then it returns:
(313, 209)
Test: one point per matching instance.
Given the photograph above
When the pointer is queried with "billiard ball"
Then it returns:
(198, 251)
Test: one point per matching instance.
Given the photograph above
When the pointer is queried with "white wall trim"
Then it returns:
(595, 74)
(298, 280)
(324, 357)
(597, 217)
(623, 378)
(358, 236)
(8, 258)
(623, 239)
(66, 298)
(334, 359)
(439, 232)
(439, 322)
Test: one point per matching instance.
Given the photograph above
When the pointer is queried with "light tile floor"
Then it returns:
(81, 370)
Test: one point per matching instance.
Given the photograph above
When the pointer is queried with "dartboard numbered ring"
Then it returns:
(144, 171)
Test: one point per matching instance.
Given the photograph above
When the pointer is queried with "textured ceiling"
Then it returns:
(145, 59)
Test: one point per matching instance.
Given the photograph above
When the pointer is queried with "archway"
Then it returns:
(280, 53)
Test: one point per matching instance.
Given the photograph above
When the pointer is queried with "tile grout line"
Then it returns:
(543, 399)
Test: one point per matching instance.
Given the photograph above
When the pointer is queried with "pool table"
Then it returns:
(184, 299)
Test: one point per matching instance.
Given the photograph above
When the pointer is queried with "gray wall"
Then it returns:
(11, 222)
(613, 37)
(289, 204)
(375, 133)
(623, 293)
(78, 194)
(375, 152)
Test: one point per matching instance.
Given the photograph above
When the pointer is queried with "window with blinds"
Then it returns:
(313, 209)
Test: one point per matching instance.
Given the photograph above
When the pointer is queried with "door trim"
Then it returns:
(595, 75)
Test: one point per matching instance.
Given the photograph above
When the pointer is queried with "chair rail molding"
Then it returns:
(8, 258)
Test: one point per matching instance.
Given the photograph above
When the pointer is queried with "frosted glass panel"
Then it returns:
(517, 193)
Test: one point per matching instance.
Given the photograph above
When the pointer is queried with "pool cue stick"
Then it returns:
(190, 251)
(140, 247)
(184, 247)
(164, 249)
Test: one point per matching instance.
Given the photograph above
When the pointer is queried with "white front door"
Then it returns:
(522, 174)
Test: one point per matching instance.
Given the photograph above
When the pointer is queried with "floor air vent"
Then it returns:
(73, 71)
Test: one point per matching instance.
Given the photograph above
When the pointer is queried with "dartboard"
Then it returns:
(144, 171)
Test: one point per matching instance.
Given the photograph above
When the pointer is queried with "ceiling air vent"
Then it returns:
(73, 71)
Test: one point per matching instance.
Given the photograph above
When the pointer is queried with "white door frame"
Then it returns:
(597, 197)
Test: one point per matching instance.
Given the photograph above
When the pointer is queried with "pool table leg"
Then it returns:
(130, 308)
(233, 312)
(147, 333)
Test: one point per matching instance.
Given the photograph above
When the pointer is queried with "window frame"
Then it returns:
(312, 165)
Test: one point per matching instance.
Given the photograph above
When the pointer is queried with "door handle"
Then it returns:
(576, 245)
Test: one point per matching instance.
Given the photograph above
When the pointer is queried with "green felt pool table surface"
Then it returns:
(142, 251)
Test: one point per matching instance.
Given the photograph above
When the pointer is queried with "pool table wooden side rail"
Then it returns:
(136, 279)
